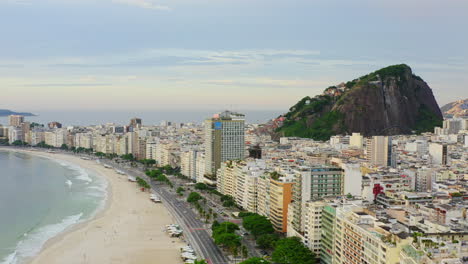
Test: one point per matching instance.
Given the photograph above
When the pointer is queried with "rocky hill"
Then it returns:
(457, 109)
(389, 101)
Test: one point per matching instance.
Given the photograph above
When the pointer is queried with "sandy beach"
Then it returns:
(130, 229)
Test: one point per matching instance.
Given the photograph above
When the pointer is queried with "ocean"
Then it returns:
(87, 117)
(39, 199)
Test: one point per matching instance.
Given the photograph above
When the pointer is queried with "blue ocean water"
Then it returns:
(39, 199)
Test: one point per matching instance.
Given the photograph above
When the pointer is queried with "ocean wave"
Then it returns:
(33, 242)
(82, 174)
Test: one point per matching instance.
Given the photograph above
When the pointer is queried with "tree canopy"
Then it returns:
(291, 251)
(194, 197)
(267, 241)
(225, 236)
(257, 225)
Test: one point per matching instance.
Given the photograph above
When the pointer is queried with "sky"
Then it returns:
(105, 55)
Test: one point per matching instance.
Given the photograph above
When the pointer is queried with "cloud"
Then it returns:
(65, 84)
(269, 83)
(19, 2)
(146, 4)
(187, 57)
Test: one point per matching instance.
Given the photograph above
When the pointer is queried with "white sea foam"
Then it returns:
(10, 259)
(32, 244)
(81, 173)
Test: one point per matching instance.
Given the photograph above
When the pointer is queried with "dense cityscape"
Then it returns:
(233, 132)
(351, 199)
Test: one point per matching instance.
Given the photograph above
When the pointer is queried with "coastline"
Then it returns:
(126, 228)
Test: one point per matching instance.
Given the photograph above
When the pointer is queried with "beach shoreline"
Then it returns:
(126, 228)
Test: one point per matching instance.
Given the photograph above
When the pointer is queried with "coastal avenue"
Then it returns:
(194, 230)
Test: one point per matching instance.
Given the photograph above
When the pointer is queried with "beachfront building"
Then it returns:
(15, 133)
(274, 197)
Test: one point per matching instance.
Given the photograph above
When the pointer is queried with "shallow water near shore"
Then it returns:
(39, 199)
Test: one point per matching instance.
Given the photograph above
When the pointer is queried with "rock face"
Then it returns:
(389, 101)
(457, 109)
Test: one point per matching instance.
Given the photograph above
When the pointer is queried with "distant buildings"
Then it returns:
(15, 120)
(53, 125)
(135, 123)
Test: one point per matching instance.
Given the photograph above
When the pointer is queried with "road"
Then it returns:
(194, 229)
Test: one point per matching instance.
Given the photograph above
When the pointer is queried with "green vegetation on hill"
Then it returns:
(392, 71)
(426, 120)
(322, 128)
(309, 106)
(297, 118)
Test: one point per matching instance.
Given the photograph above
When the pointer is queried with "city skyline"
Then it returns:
(151, 55)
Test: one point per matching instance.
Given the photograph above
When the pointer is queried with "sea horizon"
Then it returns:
(87, 118)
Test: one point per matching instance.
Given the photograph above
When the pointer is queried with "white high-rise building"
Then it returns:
(224, 140)
(188, 163)
(438, 153)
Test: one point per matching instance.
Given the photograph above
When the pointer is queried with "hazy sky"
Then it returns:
(215, 54)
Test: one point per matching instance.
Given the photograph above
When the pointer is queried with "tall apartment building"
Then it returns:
(224, 140)
(84, 140)
(140, 152)
(351, 235)
(247, 178)
(200, 172)
(379, 150)
(15, 120)
(265, 193)
(188, 163)
(424, 179)
(280, 198)
(356, 140)
(313, 225)
(438, 153)
(226, 182)
(151, 147)
(165, 153)
(313, 183)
